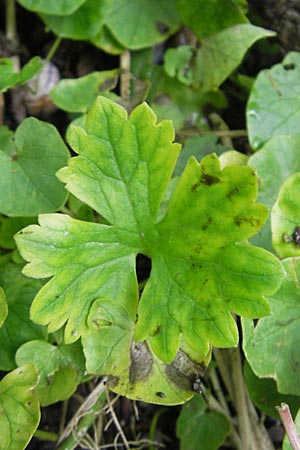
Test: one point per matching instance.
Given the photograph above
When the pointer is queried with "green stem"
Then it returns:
(53, 49)
(46, 435)
(11, 29)
(219, 133)
(153, 426)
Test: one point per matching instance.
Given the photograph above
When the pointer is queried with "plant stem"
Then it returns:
(252, 433)
(45, 435)
(125, 74)
(11, 29)
(288, 423)
(219, 133)
(53, 49)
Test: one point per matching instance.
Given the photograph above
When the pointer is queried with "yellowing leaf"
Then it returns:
(203, 270)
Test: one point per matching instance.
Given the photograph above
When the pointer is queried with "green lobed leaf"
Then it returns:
(28, 182)
(273, 106)
(10, 78)
(196, 425)
(142, 23)
(17, 328)
(272, 345)
(3, 307)
(202, 268)
(60, 368)
(274, 163)
(77, 95)
(285, 218)
(63, 7)
(222, 53)
(84, 23)
(20, 412)
(207, 18)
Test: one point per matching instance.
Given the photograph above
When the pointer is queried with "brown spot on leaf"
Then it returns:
(141, 362)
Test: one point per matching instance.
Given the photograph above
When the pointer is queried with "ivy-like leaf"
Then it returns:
(77, 95)
(27, 168)
(221, 54)
(272, 345)
(274, 104)
(19, 408)
(202, 268)
(84, 23)
(142, 23)
(207, 18)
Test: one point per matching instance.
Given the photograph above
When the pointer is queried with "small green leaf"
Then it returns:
(274, 163)
(17, 328)
(28, 182)
(19, 408)
(60, 368)
(142, 23)
(10, 78)
(274, 103)
(285, 218)
(272, 345)
(78, 95)
(63, 7)
(197, 426)
(222, 53)
(3, 307)
(207, 18)
(84, 23)
(177, 63)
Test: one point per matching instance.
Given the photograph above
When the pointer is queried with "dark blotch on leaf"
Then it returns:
(183, 371)
(141, 362)
(209, 180)
(290, 66)
(232, 193)
(14, 157)
(296, 236)
(162, 27)
(158, 329)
